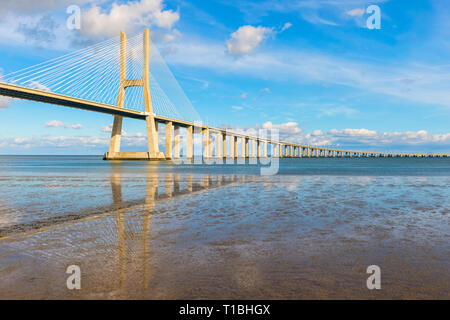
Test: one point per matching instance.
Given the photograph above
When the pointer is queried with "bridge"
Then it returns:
(97, 78)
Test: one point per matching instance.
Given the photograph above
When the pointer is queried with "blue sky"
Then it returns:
(311, 69)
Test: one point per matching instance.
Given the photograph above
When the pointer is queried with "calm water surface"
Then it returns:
(165, 231)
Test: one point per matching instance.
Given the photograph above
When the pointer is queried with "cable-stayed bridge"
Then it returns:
(128, 78)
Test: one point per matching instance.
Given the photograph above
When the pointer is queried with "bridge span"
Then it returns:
(228, 144)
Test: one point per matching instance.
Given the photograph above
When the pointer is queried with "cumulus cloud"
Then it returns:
(38, 86)
(60, 124)
(128, 17)
(131, 139)
(375, 137)
(357, 138)
(107, 128)
(285, 129)
(4, 102)
(246, 39)
(352, 133)
(32, 6)
(73, 142)
(55, 142)
(40, 30)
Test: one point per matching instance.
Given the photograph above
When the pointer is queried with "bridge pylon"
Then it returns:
(152, 127)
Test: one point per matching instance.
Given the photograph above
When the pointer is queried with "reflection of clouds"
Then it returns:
(53, 186)
(7, 216)
(366, 180)
(293, 184)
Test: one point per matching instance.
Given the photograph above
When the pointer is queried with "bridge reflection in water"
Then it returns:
(110, 243)
(172, 185)
(162, 235)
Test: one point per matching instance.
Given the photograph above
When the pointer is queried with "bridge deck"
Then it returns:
(14, 91)
(61, 100)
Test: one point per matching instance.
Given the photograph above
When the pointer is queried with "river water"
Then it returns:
(164, 231)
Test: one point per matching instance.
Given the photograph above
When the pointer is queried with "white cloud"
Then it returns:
(288, 128)
(357, 12)
(237, 107)
(371, 138)
(286, 26)
(416, 82)
(244, 95)
(358, 139)
(59, 124)
(36, 85)
(315, 19)
(337, 111)
(59, 142)
(107, 128)
(31, 6)
(4, 102)
(127, 17)
(246, 39)
(310, 10)
(352, 133)
(21, 140)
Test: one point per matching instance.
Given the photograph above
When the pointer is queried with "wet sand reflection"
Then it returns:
(171, 185)
(168, 235)
(172, 189)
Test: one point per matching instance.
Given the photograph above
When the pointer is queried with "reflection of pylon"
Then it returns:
(152, 131)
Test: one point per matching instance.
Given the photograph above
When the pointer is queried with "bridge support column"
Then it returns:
(189, 142)
(151, 125)
(254, 153)
(189, 183)
(218, 140)
(176, 142)
(224, 145)
(243, 149)
(205, 133)
(116, 135)
(235, 146)
(210, 146)
(169, 129)
(247, 147)
(152, 137)
(265, 149)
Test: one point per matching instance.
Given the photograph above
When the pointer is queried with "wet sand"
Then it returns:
(160, 235)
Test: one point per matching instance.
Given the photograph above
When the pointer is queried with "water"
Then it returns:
(164, 231)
